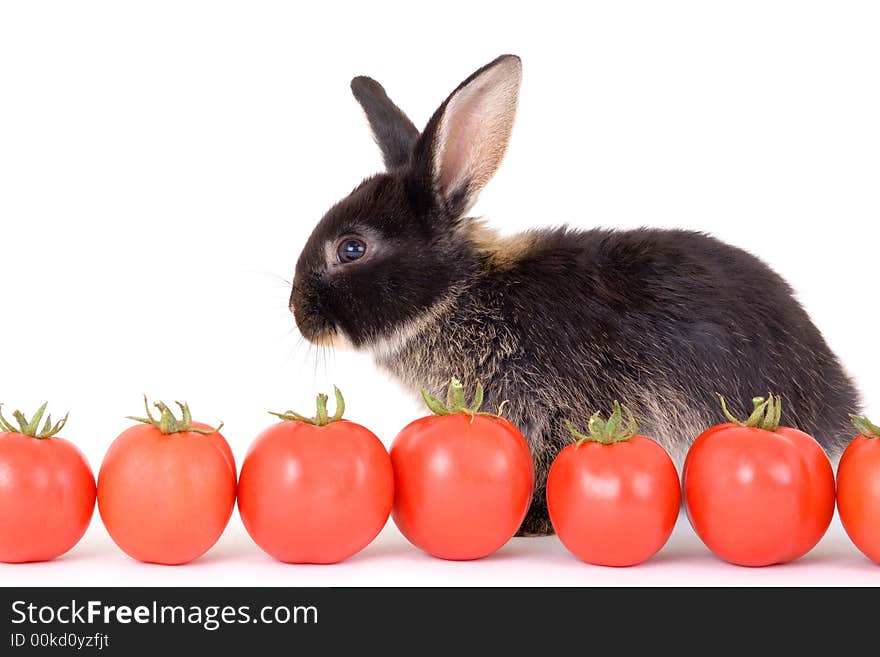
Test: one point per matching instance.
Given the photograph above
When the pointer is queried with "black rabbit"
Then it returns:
(560, 321)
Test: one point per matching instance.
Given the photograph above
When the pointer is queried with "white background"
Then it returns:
(161, 165)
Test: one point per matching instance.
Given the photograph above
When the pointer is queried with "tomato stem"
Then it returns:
(322, 417)
(865, 427)
(606, 432)
(32, 427)
(168, 423)
(766, 413)
(456, 403)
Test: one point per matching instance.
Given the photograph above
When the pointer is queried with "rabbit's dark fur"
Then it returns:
(560, 322)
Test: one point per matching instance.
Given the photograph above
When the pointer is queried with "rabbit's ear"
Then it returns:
(464, 142)
(393, 131)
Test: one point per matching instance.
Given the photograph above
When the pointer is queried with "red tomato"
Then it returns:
(315, 490)
(47, 491)
(613, 497)
(757, 493)
(166, 488)
(463, 481)
(858, 489)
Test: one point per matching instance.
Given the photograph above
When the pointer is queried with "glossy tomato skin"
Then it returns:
(47, 497)
(311, 494)
(462, 484)
(166, 498)
(756, 497)
(613, 505)
(858, 494)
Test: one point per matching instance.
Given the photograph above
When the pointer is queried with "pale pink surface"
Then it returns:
(391, 561)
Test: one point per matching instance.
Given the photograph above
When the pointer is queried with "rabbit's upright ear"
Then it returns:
(393, 131)
(464, 142)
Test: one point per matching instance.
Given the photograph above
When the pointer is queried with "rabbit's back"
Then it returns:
(661, 320)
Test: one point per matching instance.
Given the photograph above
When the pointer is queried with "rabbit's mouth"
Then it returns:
(320, 333)
(331, 338)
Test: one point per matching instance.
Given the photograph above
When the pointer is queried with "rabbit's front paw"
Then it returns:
(535, 527)
(537, 522)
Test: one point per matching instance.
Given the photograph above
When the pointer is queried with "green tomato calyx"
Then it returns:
(168, 423)
(322, 417)
(456, 403)
(616, 429)
(32, 427)
(765, 414)
(865, 427)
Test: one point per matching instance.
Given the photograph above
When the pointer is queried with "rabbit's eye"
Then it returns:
(351, 249)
